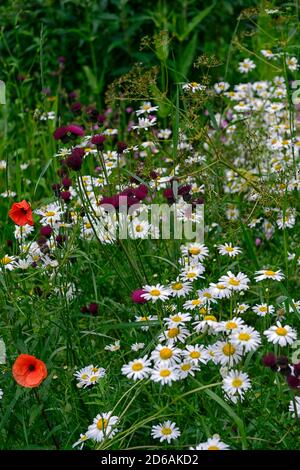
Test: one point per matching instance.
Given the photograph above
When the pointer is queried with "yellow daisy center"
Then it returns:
(237, 383)
(165, 373)
(196, 302)
(229, 249)
(207, 295)
(213, 448)
(137, 366)
(231, 325)
(166, 353)
(195, 354)
(138, 228)
(263, 309)
(50, 214)
(190, 275)
(270, 273)
(173, 332)
(177, 286)
(6, 260)
(166, 431)
(234, 282)
(210, 318)
(155, 292)
(220, 286)
(280, 331)
(102, 424)
(185, 367)
(244, 336)
(176, 318)
(228, 349)
(194, 251)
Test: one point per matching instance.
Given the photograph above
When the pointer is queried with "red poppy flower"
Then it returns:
(21, 213)
(29, 371)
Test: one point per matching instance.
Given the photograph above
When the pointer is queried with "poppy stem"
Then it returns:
(55, 441)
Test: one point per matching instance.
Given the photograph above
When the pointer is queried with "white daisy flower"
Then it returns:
(137, 346)
(81, 441)
(213, 443)
(174, 334)
(89, 375)
(292, 406)
(8, 262)
(208, 323)
(145, 123)
(263, 309)
(292, 63)
(268, 274)
(246, 66)
(164, 375)
(226, 353)
(164, 133)
(236, 383)
(193, 87)
(230, 326)
(157, 292)
(137, 369)
(166, 355)
(180, 289)
(113, 347)
(103, 427)
(110, 131)
(220, 291)
(228, 250)
(187, 368)
(146, 108)
(177, 319)
(282, 335)
(220, 87)
(165, 431)
(196, 251)
(237, 282)
(192, 273)
(146, 318)
(247, 337)
(195, 353)
(241, 308)
(267, 53)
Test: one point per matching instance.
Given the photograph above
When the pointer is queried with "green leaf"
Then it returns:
(195, 21)
(187, 56)
(2, 92)
(91, 78)
(232, 414)
(2, 352)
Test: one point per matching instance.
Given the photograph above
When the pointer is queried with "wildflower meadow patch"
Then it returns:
(149, 243)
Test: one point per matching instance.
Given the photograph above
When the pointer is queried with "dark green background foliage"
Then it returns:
(101, 39)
